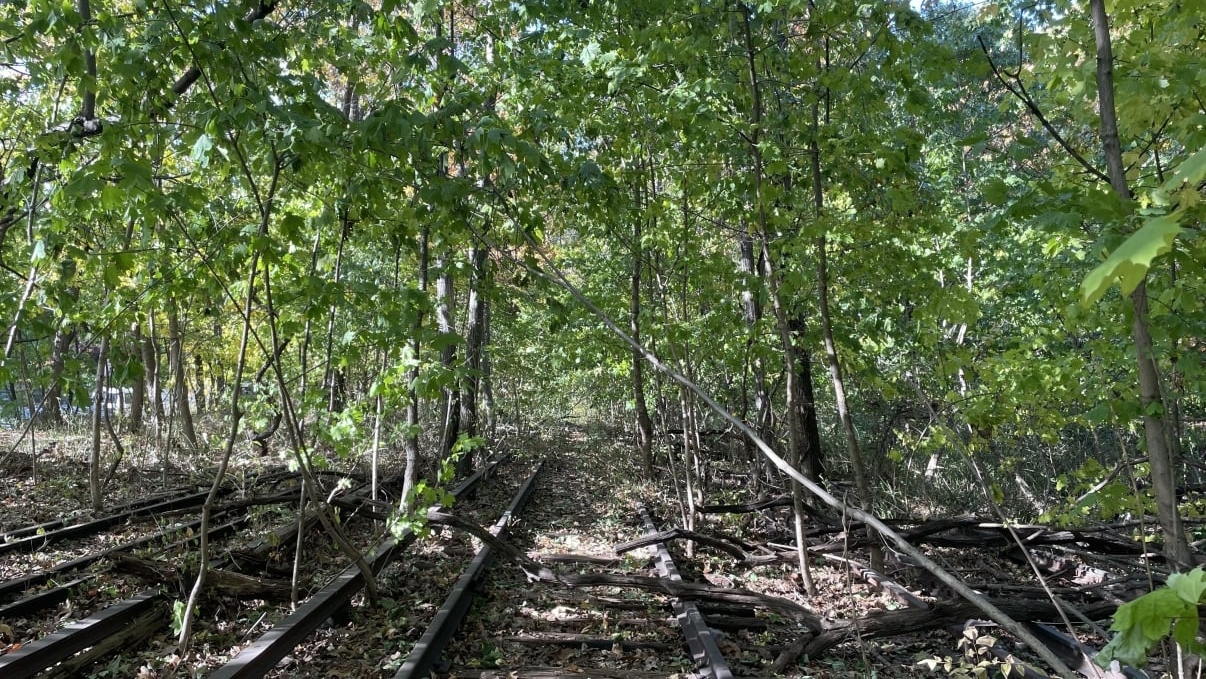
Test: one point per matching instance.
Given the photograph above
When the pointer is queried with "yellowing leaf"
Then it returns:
(1128, 264)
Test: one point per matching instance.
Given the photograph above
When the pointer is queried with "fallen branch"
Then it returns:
(734, 550)
(537, 572)
(578, 640)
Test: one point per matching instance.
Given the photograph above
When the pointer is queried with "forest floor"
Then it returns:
(585, 504)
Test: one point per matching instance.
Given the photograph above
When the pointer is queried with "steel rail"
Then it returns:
(47, 526)
(263, 654)
(36, 656)
(23, 583)
(35, 542)
(709, 661)
(426, 653)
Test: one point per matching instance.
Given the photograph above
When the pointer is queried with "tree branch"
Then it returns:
(1020, 92)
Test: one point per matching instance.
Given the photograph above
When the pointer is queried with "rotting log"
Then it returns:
(217, 580)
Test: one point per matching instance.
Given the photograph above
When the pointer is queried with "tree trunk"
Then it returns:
(179, 381)
(1159, 449)
(452, 393)
(150, 360)
(487, 380)
(51, 411)
(98, 405)
(861, 481)
(138, 388)
(794, 410)
(475, 335)
(644, 425)
(812, 456)
(199, 382)
(410, 442)
(334, 378)
(751, 308)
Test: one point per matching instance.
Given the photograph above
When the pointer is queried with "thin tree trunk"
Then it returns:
(410, 442)
(751, 308)
(98, 404)
(452, 393)
(333, 375)
(199, 395)
(51, 408)
(1159, 449)
(794, 411)
(179, 381)
(236, 415)
(487, 380)
(861, 481)
(150, 357)
(138, 390)
(644, 425)
(475, 335)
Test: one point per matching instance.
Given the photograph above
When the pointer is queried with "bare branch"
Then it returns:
(1019, 90)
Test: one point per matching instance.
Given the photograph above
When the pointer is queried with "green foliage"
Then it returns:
(178, 607)
(1144, 622)
(1129, 262)
(977, 660)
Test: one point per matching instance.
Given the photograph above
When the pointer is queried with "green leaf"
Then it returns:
(996, 192)
(1190, 172)
(1128, 264)
(1189, 586)
(201, 148)
(1172, 609)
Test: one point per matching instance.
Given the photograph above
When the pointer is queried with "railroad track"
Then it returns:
(427, 651)
(709, 661)
(125, 624)
(525, 630)
(333, 600)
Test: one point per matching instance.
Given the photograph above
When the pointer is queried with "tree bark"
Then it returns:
(179, 382)
(445, 294)
(333, 378)
(138, 390)
(475, 336)
(50, 412)
(751, 308)
(1159, 449)
(644, 425)
(794, 411)
(410, 441)
(150, 359)
(98, 405)
(812, 456)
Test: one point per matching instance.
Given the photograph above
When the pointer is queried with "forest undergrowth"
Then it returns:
(586, 506)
